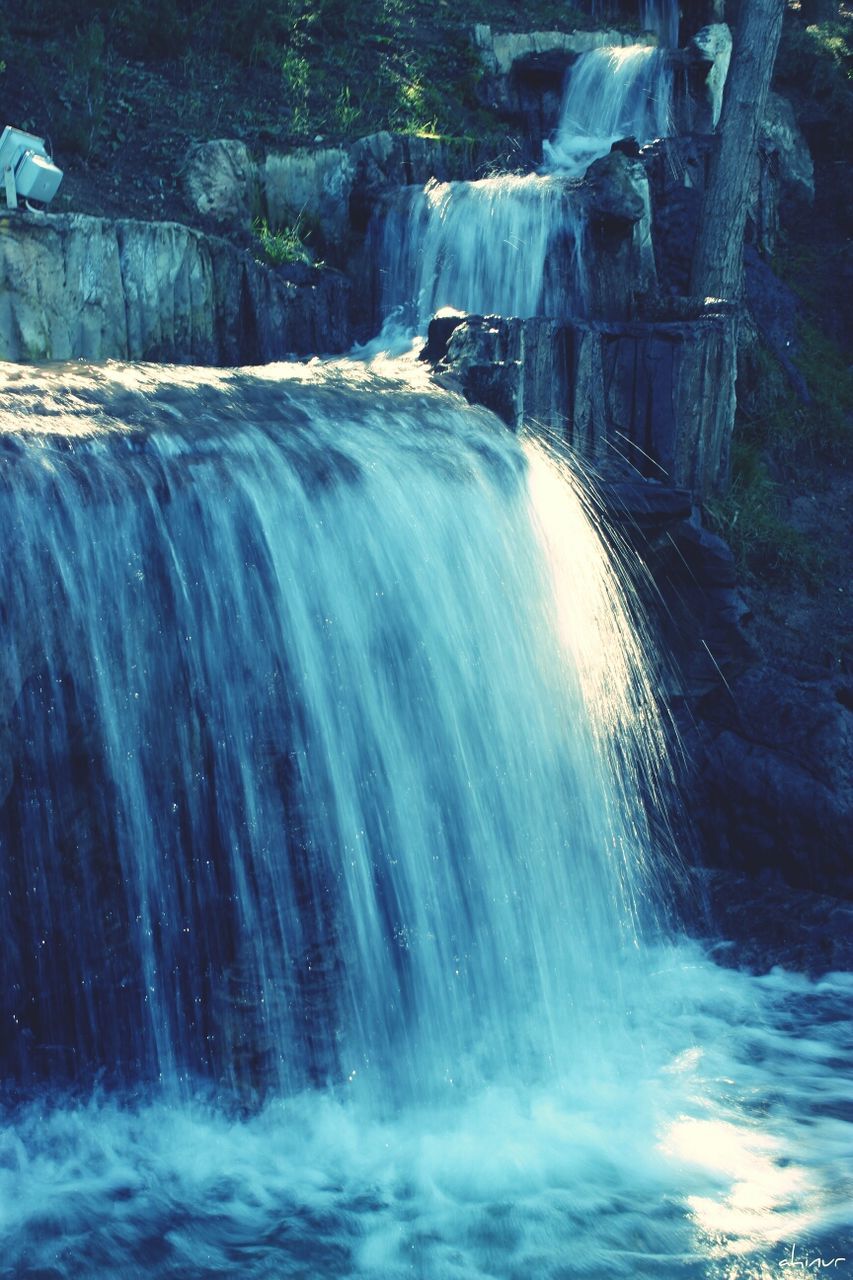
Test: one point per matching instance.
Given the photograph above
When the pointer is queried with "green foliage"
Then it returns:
(345, 66)
(285, 246)
(84, 96)
(824, 427)
(817, 62)
(751, 517)
(774, 442)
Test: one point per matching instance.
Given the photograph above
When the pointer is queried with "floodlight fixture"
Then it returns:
(27, 171)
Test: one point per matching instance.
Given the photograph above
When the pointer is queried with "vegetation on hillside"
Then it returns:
(284, 69)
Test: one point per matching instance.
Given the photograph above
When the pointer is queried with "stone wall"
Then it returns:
(635, 399)
(73, 286)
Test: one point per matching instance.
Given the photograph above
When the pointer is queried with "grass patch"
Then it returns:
(774, 445)
(751, 519)
(285, 246)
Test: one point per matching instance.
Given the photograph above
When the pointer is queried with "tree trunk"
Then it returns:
(718, 256)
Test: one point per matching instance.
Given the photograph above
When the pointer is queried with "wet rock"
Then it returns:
(646, 505)
(636, 400)
(440, 330)
(615, 189)
(484, 358)
(619, 262)
(675, 168)
(765, 923)
(774, 779)
(709, 53)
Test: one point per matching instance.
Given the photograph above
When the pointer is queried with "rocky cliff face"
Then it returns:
(76, 287)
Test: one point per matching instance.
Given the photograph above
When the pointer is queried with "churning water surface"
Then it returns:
(333, 912)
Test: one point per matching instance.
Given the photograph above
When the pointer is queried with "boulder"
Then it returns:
(619, 259)
(311, 184)
(334, 189)
(774, 779)
(709, 53)
(782, 137)
(484, 359)
(220, 181)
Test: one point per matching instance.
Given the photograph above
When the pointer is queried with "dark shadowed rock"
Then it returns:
(764, 923)
(774, 779)
(636, 400)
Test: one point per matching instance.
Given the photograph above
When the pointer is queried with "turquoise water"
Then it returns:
(331, 905)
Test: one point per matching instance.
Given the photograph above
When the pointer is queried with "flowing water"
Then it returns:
(509, 246)
(610, 94)
(513, 245)
(332, 876)
(658, 16)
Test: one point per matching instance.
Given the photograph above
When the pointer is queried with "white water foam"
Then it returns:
(509, 246)
(610, 94)
(718, 1140)
(521, 1077)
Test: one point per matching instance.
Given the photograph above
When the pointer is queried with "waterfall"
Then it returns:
(610, 94)
(507, 246)
(318, 771)
(330, 866)
(658, 16)
(661, 17)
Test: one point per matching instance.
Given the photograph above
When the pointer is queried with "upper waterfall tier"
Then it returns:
(611, 94)
(659, 16)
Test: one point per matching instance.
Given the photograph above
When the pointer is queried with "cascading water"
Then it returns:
(661, 17)
(323, 861)
(610, 94)
(507, 246)
(278, 699)
(307, 767)
(658, 16)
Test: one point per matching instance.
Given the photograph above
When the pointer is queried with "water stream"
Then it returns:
(509, 245)
(332, 881)
(336, 887)
(610, 94)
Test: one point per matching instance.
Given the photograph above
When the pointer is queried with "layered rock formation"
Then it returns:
(76, 287)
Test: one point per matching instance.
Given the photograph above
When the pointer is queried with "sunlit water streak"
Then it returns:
(358, 920)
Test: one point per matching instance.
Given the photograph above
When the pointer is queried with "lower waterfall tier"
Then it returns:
(327, 732)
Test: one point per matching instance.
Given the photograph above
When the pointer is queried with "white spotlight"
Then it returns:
(27, 170)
